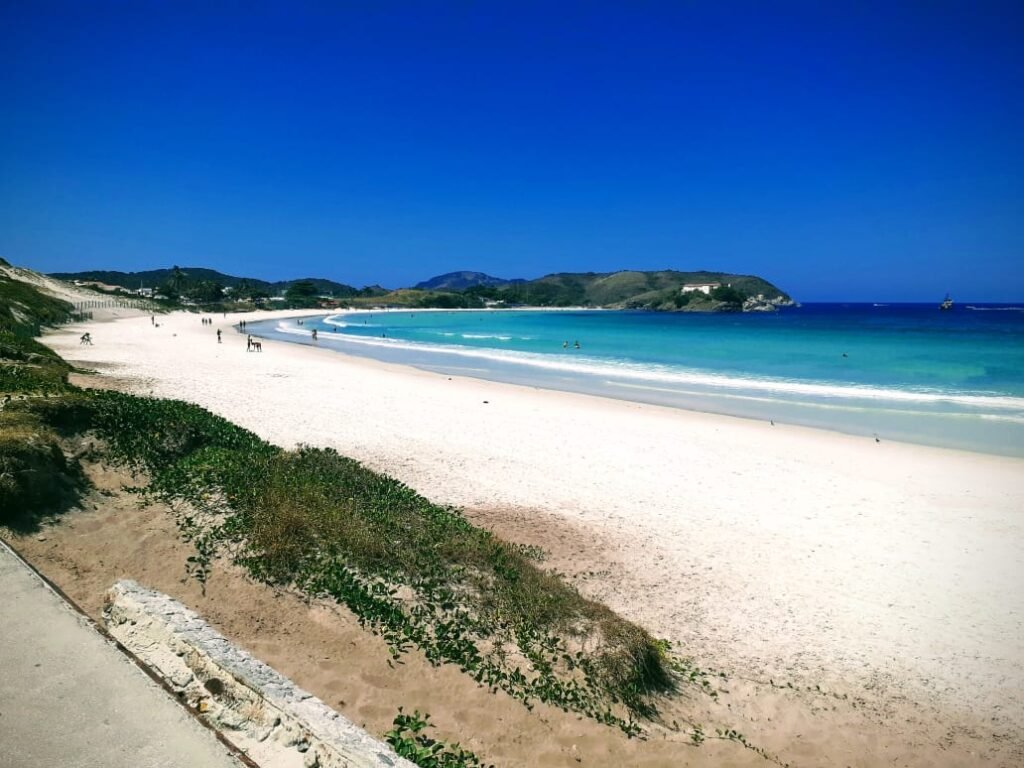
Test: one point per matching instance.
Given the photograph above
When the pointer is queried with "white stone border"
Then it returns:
(262, 712)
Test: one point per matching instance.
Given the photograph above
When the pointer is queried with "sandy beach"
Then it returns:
(887, 572)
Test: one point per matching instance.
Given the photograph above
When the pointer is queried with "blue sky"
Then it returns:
(854, 151)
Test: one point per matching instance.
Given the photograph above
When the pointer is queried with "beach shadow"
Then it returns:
(37, 484)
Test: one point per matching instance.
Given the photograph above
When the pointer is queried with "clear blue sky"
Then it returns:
(844, 151)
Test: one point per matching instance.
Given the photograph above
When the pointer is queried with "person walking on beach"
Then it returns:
(314, 334)
(218, 335)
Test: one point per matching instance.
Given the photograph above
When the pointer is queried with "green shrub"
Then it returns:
(36, 480)
(727, 294)
(409, 740)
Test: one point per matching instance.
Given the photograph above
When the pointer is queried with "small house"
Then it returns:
(705, 288)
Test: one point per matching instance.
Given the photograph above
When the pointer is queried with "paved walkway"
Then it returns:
(69, 698)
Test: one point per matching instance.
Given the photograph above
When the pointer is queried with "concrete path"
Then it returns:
(69, 698)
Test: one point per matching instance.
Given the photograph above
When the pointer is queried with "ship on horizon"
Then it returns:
(947, 303)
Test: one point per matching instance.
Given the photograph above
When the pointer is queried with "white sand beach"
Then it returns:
(888, 571)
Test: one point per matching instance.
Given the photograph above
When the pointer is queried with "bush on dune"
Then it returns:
(36, 480)
(417, 573)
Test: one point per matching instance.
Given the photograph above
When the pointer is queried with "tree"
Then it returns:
(207, 291)
(727, 294)
(302, 293)
(177, 279)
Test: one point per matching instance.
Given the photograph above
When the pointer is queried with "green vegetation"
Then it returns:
(418, 574)
(411, 298)
(26, 366)
(301, 293)
(217, 290)
(36, 480)
(409, 740)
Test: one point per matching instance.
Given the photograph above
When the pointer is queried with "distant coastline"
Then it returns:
(666, 290)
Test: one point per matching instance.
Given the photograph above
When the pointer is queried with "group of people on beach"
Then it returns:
(207, 320)
(253, 345)
(86, 339)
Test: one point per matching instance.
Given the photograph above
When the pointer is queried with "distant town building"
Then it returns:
(705, 288)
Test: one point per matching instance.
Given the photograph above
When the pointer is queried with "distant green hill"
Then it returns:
(154, 278)
(641, 290)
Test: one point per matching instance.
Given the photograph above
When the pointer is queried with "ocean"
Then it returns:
(894, 371)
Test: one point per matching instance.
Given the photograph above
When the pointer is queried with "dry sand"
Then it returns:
(887, 572)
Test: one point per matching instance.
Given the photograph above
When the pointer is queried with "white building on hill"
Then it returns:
(705, 288)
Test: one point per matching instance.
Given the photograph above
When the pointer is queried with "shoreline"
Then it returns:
(924, 418)
(786, 552)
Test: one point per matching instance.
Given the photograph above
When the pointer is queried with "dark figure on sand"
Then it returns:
(218, 335)
(86, 339)
(314, 334)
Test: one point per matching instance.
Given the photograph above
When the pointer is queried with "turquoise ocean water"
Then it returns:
(907, 372)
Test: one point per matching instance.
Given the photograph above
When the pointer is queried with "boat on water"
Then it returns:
(947, 303)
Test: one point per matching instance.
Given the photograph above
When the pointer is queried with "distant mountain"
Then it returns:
(154, 277)
(460, 281)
